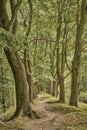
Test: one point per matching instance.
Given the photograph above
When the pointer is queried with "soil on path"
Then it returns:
(66, 118)
(50, 120)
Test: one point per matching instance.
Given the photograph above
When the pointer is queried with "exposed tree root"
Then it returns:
(33, 114)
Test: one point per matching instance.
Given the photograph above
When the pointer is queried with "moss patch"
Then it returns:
(83, 106)
(16, 124)
(44, 96)
(52, 99)
(8, 113)
(63, 108)
(75, 121)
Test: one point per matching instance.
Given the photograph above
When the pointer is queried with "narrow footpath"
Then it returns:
(50, 120)
(52, 116)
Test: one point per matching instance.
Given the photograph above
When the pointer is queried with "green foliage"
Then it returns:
(83, 97)
(6, 84)
(41, 44)
(8, 113)
(7, 39)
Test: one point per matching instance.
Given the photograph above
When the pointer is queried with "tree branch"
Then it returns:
(14, 14)
(30, 18)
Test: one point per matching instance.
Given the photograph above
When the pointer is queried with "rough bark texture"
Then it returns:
(4, 21)
(28, 74)
(59, 60)
(13, 4)
(77, 55)
(21, 85)
(22, 99)
(52, 66)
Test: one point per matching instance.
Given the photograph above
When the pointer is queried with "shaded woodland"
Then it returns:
(43, 46)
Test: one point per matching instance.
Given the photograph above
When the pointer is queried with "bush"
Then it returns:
(83, 97)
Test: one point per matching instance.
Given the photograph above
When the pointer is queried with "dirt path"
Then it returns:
(49, 121)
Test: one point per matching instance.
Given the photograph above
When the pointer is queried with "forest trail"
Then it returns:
(50, 120)
(52, 116)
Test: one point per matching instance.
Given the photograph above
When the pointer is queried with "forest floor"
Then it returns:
(52, 116)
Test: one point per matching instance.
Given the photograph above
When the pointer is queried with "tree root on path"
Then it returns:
(33, 114)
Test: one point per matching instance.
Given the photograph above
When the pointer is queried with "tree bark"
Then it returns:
(77, 54)
(28, 74)
(21, 85)
(26, 53)
(59, 60)
(18, 70)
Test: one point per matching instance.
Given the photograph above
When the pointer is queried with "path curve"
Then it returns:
(51, 121)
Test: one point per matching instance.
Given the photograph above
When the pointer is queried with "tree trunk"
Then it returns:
(50, 88)
(57, 90)
(28, 73)
(62, 92)
(62, 88)
(74, 83)
(54, 89)
(59, 59)
(77, 54)
(21, 85)
(35, 91)
(18, 69)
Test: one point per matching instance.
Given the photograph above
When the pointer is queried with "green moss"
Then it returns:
(83, 106)
(72, 128)
(63, 108)
(83, 97)
(44, 96)
(74, 121)
(52, 99)
(81, 128)
(8, 113)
